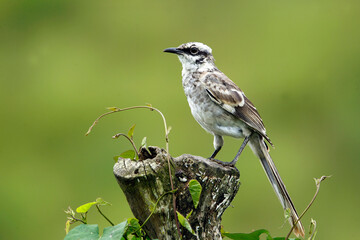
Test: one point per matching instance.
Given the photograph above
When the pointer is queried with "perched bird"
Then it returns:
(222, 109)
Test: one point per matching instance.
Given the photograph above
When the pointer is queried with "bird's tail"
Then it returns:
(260, 149)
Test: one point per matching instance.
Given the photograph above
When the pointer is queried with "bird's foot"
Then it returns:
(226, 164)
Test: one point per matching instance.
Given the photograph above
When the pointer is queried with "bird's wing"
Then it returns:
(225, 93)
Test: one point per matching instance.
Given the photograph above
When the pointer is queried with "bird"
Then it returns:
(222, 109)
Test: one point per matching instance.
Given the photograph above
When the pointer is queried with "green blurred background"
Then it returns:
(63, 62)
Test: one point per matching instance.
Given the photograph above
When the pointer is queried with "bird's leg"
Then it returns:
(243, 145)
(218, 143)
(233, 162)
(215, 153)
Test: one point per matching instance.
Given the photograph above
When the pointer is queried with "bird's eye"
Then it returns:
(194, 50)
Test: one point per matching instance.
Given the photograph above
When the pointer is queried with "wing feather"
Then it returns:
(229, 96)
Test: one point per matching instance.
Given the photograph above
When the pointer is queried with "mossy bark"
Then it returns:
(144, 182)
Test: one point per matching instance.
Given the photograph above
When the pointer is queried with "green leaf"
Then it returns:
(114, 109)
(128, 154)
(85, 207)
(115, 232)
(83, 232)
(282, 238)
(131, 131)
(168, 130)
(254, 235)
(143, 142)
(195, 191)
(67, 226)
(102, 202)
(248, 236)
(287, 213)
(189, 214)
(134, 227)
(185, 223)
(144, 145)
(133, 222)
(116, 158)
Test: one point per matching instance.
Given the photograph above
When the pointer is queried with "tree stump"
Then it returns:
(144, 181)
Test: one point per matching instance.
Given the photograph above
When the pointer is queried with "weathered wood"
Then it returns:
(143, 182)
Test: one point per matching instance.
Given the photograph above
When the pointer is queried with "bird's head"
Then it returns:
(193, 55)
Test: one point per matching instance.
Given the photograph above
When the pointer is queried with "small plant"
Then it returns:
(256, 234)
(132, 228)
(124, 230)
(132, 153)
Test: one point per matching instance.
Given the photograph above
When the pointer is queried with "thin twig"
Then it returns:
(133, 144)
(130, 140)
(172, 192)
(124, 109)
(77, 219)
(104, 215)
(166, 143)
(318, 181)
(84, 216)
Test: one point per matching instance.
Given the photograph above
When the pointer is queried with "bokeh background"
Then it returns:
(63, 62)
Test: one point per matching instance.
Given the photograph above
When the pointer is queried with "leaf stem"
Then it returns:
(104, 215)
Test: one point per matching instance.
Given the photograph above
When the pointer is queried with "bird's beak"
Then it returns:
(173, 50)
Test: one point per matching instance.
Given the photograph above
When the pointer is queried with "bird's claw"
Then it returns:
(226, 164)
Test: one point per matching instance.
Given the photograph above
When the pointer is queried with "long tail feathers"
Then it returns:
(258, 146)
